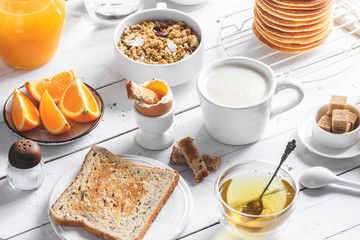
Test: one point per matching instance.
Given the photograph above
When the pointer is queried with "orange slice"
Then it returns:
(51, 117)
(78, 103)
(24, 114)
(55, 86)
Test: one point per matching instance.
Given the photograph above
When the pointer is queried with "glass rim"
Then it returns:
(225, 171)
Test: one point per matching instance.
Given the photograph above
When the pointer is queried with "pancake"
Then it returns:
(279, 23)
(287, 47)
(287, 31)
(281, 49)
(298, 7)
(293, 14)
(263, 30)
(304, 3)
(293, 26)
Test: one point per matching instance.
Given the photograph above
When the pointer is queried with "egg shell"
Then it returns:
(161, 107)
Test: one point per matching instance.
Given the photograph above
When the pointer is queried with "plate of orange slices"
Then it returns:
(55, 110)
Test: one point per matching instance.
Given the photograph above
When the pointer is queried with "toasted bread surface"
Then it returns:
(211, 162)
(113, 198)
(192, 157)
(177, 158)
(139, 93)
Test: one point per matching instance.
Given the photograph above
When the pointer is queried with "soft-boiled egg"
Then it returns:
(163, 105)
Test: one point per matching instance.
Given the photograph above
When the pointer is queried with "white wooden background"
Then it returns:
(86, 47)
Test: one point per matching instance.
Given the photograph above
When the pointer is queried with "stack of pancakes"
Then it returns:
(293, 25)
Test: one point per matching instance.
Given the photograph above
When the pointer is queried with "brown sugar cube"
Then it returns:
(340, 119)
(325, 123)
(352, 120)
(336, 102)
(348, 127)
(193, 159)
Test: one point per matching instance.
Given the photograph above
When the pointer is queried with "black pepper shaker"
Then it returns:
(25, 167)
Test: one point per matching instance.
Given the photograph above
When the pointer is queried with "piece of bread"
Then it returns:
(139, 93)
(193, 159)
(113, 198)
(176, 157)
(211, 162)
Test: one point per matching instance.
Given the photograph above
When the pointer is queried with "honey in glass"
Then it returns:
(238, 191)
(30, 31)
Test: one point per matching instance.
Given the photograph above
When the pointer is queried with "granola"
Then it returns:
(158, 42)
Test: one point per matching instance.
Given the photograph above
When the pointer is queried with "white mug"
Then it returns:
(239, 125)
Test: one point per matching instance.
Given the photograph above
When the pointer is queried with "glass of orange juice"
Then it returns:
(30, 31)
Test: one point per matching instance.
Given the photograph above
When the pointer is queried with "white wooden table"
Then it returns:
(86, 47)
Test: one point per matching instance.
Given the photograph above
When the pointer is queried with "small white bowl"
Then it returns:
(173, 73)
(335, 140)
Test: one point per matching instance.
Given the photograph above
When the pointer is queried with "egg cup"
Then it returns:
(155, 133)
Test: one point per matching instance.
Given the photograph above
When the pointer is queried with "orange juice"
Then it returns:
(30, 31)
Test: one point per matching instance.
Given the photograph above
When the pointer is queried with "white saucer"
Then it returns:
(304, 130)
(169, 224)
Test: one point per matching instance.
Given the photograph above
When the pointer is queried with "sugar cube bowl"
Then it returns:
(345, 129)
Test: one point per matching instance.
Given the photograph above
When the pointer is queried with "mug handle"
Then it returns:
(285, 83)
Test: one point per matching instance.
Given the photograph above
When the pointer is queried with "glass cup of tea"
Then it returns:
(244, 182)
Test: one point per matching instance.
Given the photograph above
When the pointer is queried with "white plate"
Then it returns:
(169, 224)
(304, 130)
(188, 2)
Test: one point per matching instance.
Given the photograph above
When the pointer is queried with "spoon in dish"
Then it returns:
(256, 207)
(317, 177)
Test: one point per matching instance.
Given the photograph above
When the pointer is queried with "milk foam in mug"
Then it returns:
(236, 86)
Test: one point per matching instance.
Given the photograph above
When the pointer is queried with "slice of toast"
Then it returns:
(139, 93)
(113, 198)
(211, 162)
(192, 157)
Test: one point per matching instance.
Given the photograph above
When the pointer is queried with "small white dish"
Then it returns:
(169, 224)
(333, 140)
(306, 136)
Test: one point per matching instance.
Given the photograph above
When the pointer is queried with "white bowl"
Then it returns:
(173, 73)
(335, 140)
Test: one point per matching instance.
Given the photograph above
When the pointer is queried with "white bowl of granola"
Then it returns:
(159, 43)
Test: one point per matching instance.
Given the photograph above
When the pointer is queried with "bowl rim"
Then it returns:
(319, 107)
(130, 17)
(222, 174)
